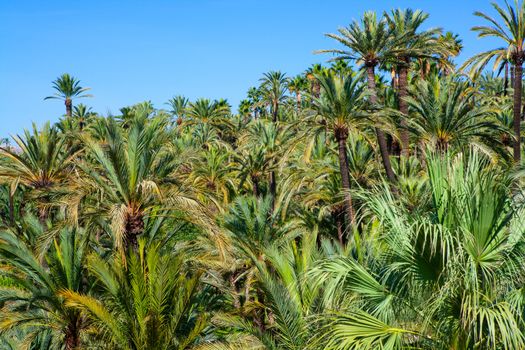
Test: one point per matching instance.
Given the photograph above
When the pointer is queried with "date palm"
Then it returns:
(127, 176)
(68, 88)
(298, 85)
(274, 86)
(342, 107)
(509, 29)
(41, 161)
(33, 301)
(370, 43)
(179, 105)
(445, 117)
(409, 43)
(147, 301)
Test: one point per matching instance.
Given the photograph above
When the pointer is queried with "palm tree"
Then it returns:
(274, 86)
(148, 301)
(33, 299)
(297, 85)
(409, 43)
(42, 162)
(128, 171)
(369, 43)
(179, 105)
(82, 115)
(445, 116)
(67, 88)
(511, 32)
(341, 105)
(433, 286)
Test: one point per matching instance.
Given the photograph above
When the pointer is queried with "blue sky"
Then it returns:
(131, 51)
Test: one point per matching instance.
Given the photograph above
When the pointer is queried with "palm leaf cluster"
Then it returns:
(375, 202)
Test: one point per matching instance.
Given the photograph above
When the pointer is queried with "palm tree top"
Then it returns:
(68, 87)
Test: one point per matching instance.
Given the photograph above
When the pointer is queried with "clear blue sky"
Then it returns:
(131, 51)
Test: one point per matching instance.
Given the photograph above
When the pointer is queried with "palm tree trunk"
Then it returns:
(72, 336)
(518, 72)
(381, 139)
(69, 107)
(134, 227)
(337, 214)
(273, 189)
(298, 101)
(255, 189)
(341, 137)
(403, 108)
(275, 112)
(506, 81)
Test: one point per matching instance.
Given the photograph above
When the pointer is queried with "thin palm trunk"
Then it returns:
(273, 188)
(337, 215)
(403, 108)
(381, 139)
(518, 71)
(506, 83)
(275, 111)
(345, 178)
(69, 107)
(255, 188)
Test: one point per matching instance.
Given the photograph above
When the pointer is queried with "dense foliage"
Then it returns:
(376, 202)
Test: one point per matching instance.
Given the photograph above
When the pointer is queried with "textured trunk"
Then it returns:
(337, 215)
(381, 139)
(69, 107)
(506, 81)
(517, 109)
(345, 178)
(298, 101)
(275, 111)
(273, 189)
(134, 227)
(255, 183)
(72, 336)
(403, 108)
(11, 208)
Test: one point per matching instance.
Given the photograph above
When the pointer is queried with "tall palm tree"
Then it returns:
(410, 43)
(510, 30)
(370, 43)
(297, 86)
(274, 86)
(341, 105)
(67, 88)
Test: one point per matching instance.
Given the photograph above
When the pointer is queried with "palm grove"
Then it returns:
(375, 202)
